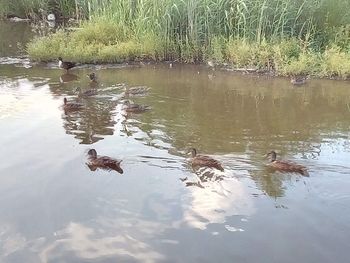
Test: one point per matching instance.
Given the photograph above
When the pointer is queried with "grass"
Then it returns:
(287, 36)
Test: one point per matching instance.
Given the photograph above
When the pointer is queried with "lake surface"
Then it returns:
(53, 208)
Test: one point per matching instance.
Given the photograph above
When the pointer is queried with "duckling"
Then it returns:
(204, 161)
(95, 161)
(298, 80)
(136, 90)
(71, 106)
(135, 108)
(286, 166)
(65, 64)
(86, 93)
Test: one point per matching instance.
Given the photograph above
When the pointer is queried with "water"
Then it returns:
(54, 209)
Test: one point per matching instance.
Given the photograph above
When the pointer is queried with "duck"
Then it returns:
(285, 166)
(135, 108)
(95, 161)
(198, 160)
(71, 106)
(92, 76)
(297, 81)
(136, 90)
(65, 64)
(86, 93)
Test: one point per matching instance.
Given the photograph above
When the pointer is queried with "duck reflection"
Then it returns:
(68, 77)
(271, 183)
(95, 121)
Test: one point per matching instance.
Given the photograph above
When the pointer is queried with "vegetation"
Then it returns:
(287, 36)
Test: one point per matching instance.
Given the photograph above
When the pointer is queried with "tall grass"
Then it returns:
(197, 30)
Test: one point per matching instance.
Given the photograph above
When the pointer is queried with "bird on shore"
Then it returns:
(285, 166)
(71, 106)
(95, 161)
(298, 80)
(65, 64)
(198, 160)
(135, 108)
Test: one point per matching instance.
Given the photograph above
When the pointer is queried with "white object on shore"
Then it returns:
(51, 17)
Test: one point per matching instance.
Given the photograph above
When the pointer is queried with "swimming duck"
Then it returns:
(86, 93)
(92, 76)
(135, 108)
(136, 90)
(298, 80)
(286, 166)
(65, 64)
(71, 106)
(95, 161)
(204, 161)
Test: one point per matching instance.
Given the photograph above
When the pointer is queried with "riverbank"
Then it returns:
(103, 41)
(285, 37)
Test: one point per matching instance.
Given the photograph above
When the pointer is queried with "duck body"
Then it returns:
(95, 161)
(135, 108)
(136, 90)
(65, 64)
(286, 166)
(297, 81)
(86, 93)
(71, 106)
(199, 160)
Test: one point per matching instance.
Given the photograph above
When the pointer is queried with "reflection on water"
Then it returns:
(68, 77)
(53, 210)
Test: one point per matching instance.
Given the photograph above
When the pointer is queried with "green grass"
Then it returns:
(287, 36)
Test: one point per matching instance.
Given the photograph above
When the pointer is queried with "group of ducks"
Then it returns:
(128, 107)
(197, 160)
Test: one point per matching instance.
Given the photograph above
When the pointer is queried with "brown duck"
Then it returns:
(95, 161)
(71, 106)
(204, 161)
(135, 108)
(92, 76)
(136, 90)
(286, 166)
(86, 93)
(297, 81)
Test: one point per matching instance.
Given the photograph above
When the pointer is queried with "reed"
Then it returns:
(242, 32)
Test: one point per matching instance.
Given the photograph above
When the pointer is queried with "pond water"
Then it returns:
(53, 208)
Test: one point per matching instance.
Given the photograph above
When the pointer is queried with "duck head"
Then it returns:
(92, 76)
(78, 90)
(193, 152)
(92, 153)
(60, 61)
(272, 156)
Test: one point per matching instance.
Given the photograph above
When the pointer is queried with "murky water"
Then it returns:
(54, 209)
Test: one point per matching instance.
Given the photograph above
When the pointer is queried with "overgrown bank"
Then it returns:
(288, 37)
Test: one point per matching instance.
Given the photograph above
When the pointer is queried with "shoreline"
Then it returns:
(224, 67)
